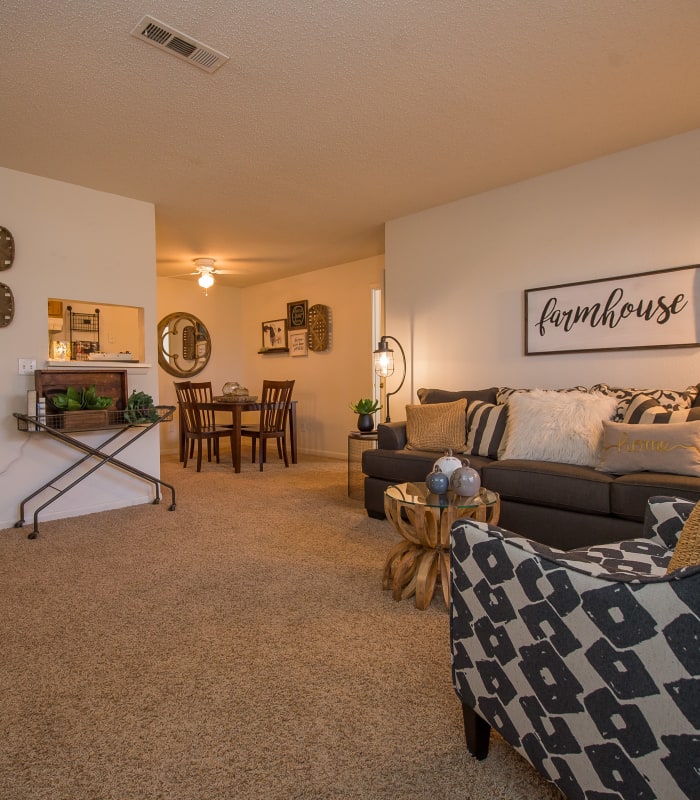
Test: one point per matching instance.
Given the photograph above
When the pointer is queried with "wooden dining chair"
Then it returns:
(199, 424)
(275, 401)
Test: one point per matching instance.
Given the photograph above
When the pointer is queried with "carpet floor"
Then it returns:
(240, 646)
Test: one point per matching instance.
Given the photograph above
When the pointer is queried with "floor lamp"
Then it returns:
(384, 365)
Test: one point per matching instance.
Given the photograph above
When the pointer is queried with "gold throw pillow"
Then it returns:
(437, 426)
(687, 552)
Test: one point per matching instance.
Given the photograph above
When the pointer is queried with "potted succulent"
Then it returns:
(364, 408)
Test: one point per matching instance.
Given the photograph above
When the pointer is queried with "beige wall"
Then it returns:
(70, 243)
(455, 275)
(326, 382)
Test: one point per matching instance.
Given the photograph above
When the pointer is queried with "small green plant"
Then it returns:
(74, 400)
(140, 408)
(365, 406)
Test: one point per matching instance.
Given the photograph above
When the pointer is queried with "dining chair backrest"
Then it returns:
(274, 405)
(198, 424)
(203, 393)
(189, 407)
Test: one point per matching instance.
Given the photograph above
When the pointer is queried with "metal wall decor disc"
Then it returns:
(7, 305)
(7, 248)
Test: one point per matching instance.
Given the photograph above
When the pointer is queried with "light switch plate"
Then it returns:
(27, 366)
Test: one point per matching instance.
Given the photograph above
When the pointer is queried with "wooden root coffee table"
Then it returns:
(416, 564)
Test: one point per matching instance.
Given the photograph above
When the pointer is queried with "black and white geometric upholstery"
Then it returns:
(587, 662)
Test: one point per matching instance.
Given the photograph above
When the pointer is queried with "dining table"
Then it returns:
(236, 408)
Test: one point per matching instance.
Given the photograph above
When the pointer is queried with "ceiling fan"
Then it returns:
(206, 270)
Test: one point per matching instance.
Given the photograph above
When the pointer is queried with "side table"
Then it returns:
(416, 564)
(357, 444)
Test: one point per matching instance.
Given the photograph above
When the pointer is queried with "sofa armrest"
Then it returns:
(391, 435)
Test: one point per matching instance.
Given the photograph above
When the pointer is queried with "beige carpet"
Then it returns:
(238, 647)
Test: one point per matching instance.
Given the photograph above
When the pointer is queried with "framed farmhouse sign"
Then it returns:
(646, 310)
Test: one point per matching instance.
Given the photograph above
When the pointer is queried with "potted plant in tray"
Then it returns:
(364, 408)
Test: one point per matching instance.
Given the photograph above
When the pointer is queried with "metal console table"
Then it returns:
(55, 426)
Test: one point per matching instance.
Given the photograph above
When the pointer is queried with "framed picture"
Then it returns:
(274, 335)
(642, 311)
(82, 349)
(298, 345)
(297, 314)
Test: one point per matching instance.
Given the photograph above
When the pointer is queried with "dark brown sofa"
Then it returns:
(561, 505)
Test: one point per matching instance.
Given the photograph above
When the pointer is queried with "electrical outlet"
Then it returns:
(27, 366)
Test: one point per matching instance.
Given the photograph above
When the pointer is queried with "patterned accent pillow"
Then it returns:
(670, 399)
(436, 426)
(651, 448)
(687, 552)
(504, 393)
(486, 427)
(564, 427)
(644, 409)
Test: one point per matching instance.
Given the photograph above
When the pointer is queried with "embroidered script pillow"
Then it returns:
(651, 448)
(436, 426)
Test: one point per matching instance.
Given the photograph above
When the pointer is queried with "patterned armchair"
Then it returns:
(587, 662)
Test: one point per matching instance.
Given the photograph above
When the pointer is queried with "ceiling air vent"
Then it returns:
(179, 44)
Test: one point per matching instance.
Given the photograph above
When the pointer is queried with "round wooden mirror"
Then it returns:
(184, 344)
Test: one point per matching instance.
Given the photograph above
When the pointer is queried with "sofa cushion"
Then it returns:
(486, 428)
(646, 410)
(426, 396)
(629, 494)
(436, 426)
(655, 448)
(399, 466)
(547, 483)
(565, 427)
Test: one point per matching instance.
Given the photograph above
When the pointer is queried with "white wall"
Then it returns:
(70, 242)
(455, 275)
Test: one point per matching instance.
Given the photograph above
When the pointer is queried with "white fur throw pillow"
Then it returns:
(566, 427)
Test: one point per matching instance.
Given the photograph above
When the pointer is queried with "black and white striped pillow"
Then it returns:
(643, 409)
(669, 399)
(486, 427)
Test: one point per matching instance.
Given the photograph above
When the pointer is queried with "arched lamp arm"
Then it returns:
(403, 377)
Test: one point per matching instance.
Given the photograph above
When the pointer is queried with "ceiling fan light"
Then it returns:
(206, 280)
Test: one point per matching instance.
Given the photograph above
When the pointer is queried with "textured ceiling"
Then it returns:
(332, 116)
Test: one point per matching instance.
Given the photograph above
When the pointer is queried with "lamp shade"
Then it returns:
(384, 359)
(384, 365)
